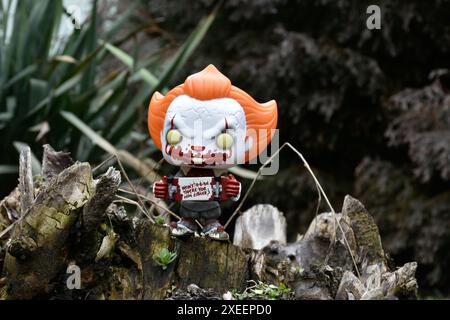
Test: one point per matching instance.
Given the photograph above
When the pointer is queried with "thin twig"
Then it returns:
(126, 200)
(319, 200)
(159, 206)
(103, 163)
(258, 173)
(9, 228)
(132, 187)
(153, 202)
(336, 221)
(154, 167)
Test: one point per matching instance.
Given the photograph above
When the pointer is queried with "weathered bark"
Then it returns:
(53, 162)
(94, 212)
(207, 263)
(26, 187)
(258, 226)
(350, 288)
(36, 251)
(365, 229)
(65, 225)
(9, 212)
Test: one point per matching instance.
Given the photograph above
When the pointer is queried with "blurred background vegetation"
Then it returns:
(370, 109)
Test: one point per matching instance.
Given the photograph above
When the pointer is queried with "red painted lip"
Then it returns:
(198, 148)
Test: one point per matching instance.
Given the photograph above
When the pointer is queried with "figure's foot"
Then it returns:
(184, 227)
(215, 231)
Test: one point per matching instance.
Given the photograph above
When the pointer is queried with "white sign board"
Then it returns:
(198, 188)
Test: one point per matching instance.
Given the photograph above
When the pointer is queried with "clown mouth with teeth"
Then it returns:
(197, 156)
(205, 126)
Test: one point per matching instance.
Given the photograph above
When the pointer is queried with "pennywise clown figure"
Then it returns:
(205, 126)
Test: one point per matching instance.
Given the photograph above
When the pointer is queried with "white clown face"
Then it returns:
(205, 134)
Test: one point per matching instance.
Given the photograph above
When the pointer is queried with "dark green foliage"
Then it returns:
(423, 124)
(84, 75)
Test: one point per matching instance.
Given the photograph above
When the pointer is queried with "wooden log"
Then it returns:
(9, 211)
(350, 288)
(118, 258)
(53, 162)
(150, 240)
(26, 187)
(206, 263)
(366, 231)
(212, 264)
(37, 247)
(94, 212)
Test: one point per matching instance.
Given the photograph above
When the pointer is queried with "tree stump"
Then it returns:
(258, 226)
(36, 250)
(206, 263)
(74, 220)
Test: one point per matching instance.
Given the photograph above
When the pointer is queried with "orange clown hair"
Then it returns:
(209, 84)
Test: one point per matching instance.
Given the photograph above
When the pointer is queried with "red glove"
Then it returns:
(231, 188)
(161, 188)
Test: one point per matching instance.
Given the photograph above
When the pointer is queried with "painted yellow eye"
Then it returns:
(224, 140)
(173, 137)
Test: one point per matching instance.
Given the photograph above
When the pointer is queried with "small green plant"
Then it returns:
(171, 290)
(160, 220)
(299, 270)
(261, 290)
(164, 257)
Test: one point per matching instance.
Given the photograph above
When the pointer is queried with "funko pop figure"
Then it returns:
(205, 126)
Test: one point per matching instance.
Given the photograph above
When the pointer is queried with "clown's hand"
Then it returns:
(231, 188)
(161, 189)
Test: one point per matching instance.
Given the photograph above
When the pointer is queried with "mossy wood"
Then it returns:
(209, 264)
